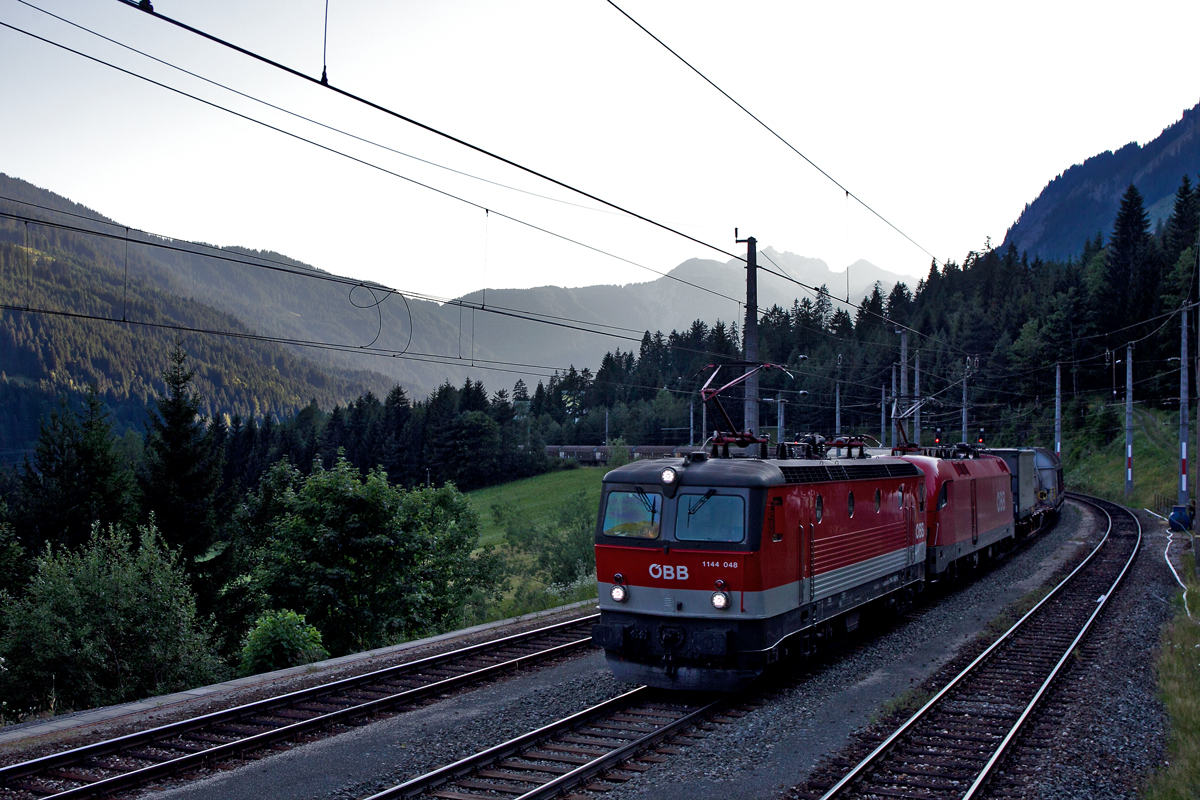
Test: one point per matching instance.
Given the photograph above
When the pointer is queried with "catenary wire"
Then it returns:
(310, 120)
(148, 9)
(772, 131)
(371, 165)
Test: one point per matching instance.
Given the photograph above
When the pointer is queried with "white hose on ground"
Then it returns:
(1172, 566)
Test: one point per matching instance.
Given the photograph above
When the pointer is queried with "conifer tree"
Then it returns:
(182, 470)
(1130, 276)
(1183, 226)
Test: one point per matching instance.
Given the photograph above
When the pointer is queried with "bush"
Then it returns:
(112, 622)
(371, 564)
(563, 549)
(281, 639)
(618, 453)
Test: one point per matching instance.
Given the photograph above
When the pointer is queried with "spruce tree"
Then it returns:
(75, 480)
(1130, 276)
(1183, 226)
(182, 471)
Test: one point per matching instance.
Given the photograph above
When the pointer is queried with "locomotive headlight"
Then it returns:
(720, 601)
(618, 593)
(670, 480)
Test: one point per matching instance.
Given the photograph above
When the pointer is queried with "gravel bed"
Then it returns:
(777, 746)
(1106, 721)
(121, 724)
(369, 759)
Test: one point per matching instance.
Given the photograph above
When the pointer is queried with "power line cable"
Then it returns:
(366, 163)
(302, 270)
(148, 9)
(769, 129)
(545, 319)
(310, 120)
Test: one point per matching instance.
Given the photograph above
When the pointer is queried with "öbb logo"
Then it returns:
(668, 572)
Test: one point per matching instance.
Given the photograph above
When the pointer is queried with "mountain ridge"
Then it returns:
(1083, 199)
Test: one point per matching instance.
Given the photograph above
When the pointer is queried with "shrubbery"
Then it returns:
(563, 549)
(281, 639)
(111, 622)
(371, 563)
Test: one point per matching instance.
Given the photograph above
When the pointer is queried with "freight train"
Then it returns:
(711, 568)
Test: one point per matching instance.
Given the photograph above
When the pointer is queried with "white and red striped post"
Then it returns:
(1128, 420)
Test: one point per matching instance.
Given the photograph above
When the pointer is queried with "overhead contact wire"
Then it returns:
(771, 130)
(429, 128)
(365, 163)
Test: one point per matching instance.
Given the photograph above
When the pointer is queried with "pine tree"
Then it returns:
(1183, 226)
(75, 480)
(182, 471)
(1130, 276)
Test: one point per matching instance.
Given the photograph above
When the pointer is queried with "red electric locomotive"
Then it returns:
(710, 568)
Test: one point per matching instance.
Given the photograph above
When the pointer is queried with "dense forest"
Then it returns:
(999, 320)
(238, 539)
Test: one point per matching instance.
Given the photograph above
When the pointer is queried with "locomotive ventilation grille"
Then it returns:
(852, 472)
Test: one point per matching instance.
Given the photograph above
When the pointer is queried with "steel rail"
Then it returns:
(148, 737)
(606, 762)
(465, 766)
(876, 755)
(977, 787)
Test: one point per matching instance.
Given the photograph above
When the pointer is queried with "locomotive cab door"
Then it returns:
(810, 514)
(974, 516)
(909, 525)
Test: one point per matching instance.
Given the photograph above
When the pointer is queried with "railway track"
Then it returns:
(610, 739)
(953, 745)
(116, 765)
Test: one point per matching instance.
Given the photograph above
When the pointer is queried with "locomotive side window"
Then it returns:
(920, 497)
(850, 503)
(635, 515)
(943, 496)
(710, 517)
(900, 498)
(878, 500)
(820, 508)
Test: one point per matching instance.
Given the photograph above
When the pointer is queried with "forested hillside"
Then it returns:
(46, 355)
(1083, 200)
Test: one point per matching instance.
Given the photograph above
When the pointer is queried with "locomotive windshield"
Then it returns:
(635, 514)
(710, 517)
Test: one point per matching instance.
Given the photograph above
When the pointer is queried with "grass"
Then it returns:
(1178, 669)
(536, 497)
(1100, 471)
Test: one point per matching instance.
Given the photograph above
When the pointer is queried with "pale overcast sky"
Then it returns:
(945, 117)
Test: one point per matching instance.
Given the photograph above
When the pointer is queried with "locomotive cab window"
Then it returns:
(944, 496)
(878, 500)
(819, 510)
(635, 515)
(850, 503)
(710, 517)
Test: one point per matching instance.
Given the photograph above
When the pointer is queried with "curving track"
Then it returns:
(952, 745)
(129, 761)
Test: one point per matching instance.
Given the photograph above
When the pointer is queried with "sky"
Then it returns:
(945, 118)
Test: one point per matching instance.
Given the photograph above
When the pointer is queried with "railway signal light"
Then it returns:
(981, 435)
(937, 436)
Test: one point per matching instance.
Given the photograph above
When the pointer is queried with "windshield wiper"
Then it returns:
(650, 505)
(693, 509)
